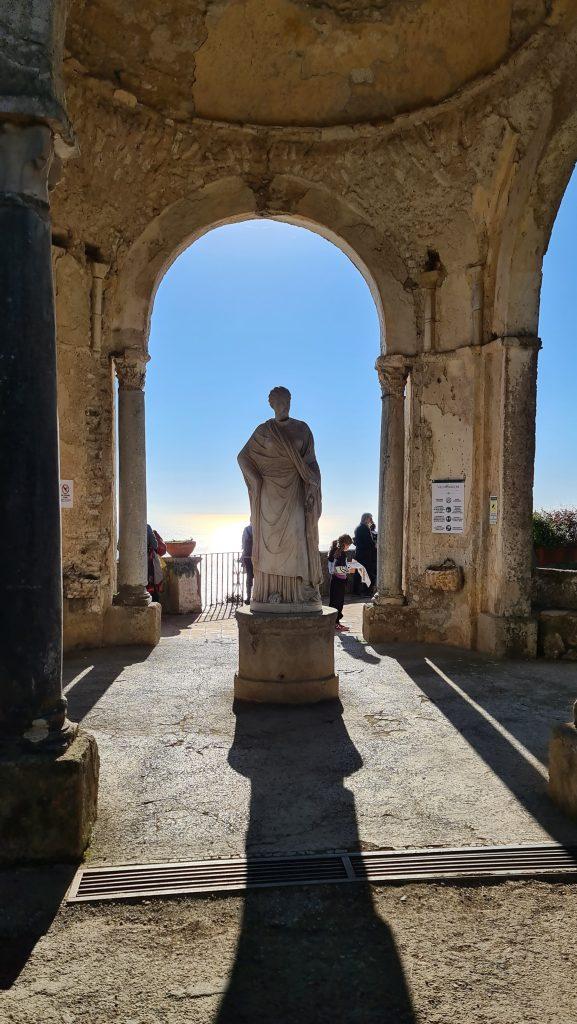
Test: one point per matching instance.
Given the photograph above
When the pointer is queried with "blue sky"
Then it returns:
(555, 462)
(261, 303)
(247, 307)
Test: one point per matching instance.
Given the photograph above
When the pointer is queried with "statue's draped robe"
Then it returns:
(285, 510)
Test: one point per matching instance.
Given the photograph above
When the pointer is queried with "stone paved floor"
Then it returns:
(429, 747)
(413, 757)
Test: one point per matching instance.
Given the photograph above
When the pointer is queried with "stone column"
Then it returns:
(132, 563)
(32, 708)
(505, 625)
(48, 769)
(392, 378)
(387, 617)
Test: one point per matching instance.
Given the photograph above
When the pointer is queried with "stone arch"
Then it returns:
(534, 201)
(283, 198)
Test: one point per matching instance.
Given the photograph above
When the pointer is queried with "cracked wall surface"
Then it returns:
(294, 62)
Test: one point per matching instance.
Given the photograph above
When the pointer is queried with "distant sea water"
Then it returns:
(223, 532)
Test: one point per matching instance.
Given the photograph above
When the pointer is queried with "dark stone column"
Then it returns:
(32, 708)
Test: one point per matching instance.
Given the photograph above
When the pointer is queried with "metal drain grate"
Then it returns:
(127, 881)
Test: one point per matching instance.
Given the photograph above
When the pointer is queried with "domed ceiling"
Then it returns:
(291, 62)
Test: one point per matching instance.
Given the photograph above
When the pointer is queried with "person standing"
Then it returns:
(246, 559)
(156, 548)
(366, 551)
(339, 575)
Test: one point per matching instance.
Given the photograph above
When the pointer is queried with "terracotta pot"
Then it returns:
(180, 548)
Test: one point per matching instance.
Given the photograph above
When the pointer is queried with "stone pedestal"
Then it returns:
(563, 767)
(286, 659)
(387, 622)
(47, 803)
(182, 586)
(128, 626)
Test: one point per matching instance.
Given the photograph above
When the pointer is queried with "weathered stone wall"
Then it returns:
(451, 153)
(85, 408)
(555, 588)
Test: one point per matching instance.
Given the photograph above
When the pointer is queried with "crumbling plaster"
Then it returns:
(476, 178)
(296, 62)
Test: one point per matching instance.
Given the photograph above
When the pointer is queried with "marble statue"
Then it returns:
(284, 483)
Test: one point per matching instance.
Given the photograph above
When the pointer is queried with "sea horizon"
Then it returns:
(222, 531)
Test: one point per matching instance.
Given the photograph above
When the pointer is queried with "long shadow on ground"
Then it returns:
(29, 901)
(505, 712)
(86, 677)
(318, 955)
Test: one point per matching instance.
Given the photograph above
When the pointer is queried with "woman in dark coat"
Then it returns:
(366, 551)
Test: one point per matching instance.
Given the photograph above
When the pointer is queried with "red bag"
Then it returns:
(161, 549)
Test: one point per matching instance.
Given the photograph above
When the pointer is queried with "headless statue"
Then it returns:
(284, 484)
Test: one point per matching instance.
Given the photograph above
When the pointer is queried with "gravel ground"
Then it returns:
(418, 953)
(428, 747)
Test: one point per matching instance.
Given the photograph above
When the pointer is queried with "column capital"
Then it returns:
(392, 372)
(130, 367)
(431, 279)
(26, 153)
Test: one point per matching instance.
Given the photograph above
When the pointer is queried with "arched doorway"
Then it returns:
(227, 202)
(247, 306)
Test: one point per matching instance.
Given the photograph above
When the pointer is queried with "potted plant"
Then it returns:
(555, 536)
(180, 548)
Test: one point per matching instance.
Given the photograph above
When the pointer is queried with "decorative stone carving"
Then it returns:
(447, 577)
(279, 466)
(392, 373)
(26, 154)
(130, 367)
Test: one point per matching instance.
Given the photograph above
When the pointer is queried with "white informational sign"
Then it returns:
(493, 509)
(448, 506)
(66, 493)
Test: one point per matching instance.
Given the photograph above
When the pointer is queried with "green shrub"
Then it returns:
(555, 528)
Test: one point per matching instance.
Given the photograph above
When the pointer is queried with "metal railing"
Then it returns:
(222, 579)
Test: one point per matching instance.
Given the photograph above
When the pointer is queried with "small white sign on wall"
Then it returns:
(493, 509)
(66, 493)
(448, 506)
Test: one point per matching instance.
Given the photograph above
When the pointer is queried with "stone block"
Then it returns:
(507, 636)
(286, 659)
(552, 645)
(563, 767)
(386, 623)
(561, 622)
(127, 625)
(81, 628)
(555, 588)
(182, 586)
(48, 804)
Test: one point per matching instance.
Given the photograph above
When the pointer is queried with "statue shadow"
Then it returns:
(317, 953)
